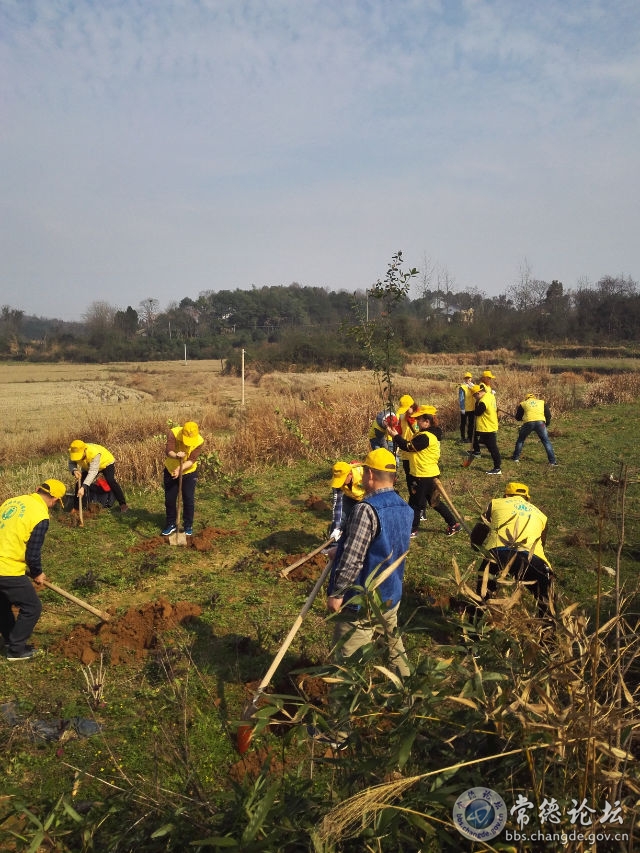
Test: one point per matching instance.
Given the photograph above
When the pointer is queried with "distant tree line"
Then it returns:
(312, 327)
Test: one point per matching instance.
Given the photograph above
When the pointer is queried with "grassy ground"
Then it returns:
(167, 716)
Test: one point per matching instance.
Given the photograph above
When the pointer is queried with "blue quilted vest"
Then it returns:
(395, 519)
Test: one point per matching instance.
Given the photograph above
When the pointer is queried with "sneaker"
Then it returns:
(188, 531)
(169, 529)
(454, 528)
(475, 455)
(27, 654)
(423, 517)
(333, 741)
(414, 533)
(553, 464)
(495, 471)
(513, 459)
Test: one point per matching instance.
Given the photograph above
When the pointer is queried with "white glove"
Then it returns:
(335, 534)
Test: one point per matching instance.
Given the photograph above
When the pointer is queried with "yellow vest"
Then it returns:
(91, 452)
(355, 489)
(406, 431)
(170, 463)
(18, 517)
(517, 524)
(424, 463)
(533, 410)
(469, 402)
(488, 420)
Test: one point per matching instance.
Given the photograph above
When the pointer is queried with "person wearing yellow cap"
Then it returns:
(86, 461)
(535, 415)
(467, 407)
(423, 450)
(407, 427)
(183, 447)
(512, 535)
(377, 534)
(346, 484)
(24, 521)
(487, 425)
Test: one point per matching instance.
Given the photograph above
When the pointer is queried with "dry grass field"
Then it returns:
(271, 418)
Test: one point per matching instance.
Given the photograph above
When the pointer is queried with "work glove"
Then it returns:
(335, 534)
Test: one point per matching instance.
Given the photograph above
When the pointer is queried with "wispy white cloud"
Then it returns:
(151, 142)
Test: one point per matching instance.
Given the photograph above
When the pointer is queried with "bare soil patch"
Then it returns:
(128, 638)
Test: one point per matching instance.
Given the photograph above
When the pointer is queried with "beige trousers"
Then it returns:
(353, 633)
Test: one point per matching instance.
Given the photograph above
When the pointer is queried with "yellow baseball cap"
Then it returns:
(517, 489)
(380, 459)
(468, 376)
(339, 474)
(76, 450)
(406, 401)
(487, 374)
(190, 434)
(476, 389)
(54, 488)
(424, 410)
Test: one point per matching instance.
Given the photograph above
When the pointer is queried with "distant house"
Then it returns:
(441, 309)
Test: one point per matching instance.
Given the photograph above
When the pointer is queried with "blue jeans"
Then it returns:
(540, 429)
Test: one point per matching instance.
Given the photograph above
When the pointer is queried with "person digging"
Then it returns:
(512, 535)
(24, 521)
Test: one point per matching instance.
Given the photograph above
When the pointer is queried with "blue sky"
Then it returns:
(161, 148)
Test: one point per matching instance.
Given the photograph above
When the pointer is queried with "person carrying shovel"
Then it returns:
(183, 447)
(24, 521)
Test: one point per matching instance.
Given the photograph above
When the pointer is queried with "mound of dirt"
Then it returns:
(307, 571)
(128, 638)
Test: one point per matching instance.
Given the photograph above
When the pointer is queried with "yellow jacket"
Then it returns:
(18, 517)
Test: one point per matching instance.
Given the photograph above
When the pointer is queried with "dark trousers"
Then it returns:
(490, 441)
(19, 592)
(421, 492)
(467, 421)
(109, 473)
(532, 570)
(188, 497)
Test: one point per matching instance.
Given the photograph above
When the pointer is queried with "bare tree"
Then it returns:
(149, 309)
(99, 317)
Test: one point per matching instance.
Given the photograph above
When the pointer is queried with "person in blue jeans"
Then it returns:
(535, 416)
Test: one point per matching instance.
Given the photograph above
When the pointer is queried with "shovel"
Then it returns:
(178, 538)
(245, 731)
(441, 489)
(302, 560)
(101, 614)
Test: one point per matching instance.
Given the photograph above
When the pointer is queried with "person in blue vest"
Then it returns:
(536, 417)
(377, 534)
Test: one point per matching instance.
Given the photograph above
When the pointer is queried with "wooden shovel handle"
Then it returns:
(104, 616)
(304, 559)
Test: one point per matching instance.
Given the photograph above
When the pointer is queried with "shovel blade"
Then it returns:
(178, 538)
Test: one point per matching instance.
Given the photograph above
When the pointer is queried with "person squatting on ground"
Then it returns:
(424, 452)
(86, 461)
(514, 532)
(536, 417)
(408, 428)
(377, 533)
(467, 408)
(347, 490)
(487, 425)
(24, 521)
(183, 447)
